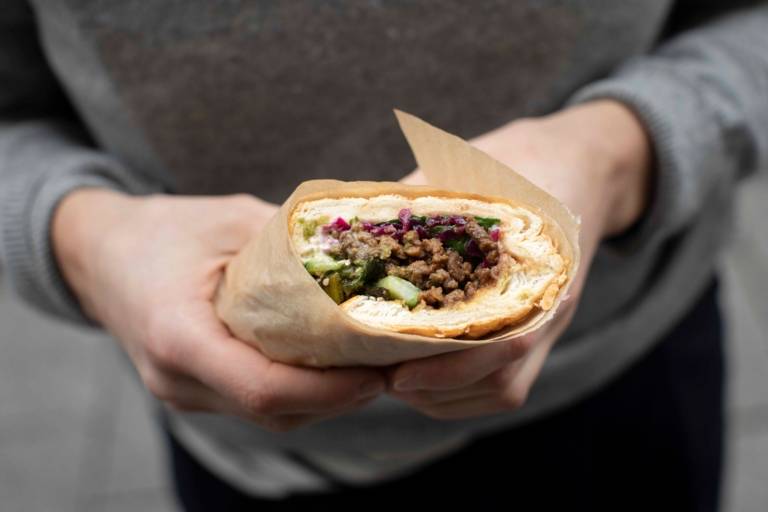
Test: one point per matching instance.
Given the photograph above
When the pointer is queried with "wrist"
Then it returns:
(79, 225)
(619, 156)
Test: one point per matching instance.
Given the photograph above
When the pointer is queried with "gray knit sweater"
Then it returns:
(203, 97)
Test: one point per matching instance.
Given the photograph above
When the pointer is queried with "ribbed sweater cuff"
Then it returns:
(26, 220)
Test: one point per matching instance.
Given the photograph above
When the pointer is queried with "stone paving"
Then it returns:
(76, 432)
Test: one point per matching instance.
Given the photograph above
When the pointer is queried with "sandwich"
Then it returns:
(376, 273)
(441, 266)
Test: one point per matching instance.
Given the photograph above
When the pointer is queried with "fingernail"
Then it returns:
(406, 384)
(371, 388)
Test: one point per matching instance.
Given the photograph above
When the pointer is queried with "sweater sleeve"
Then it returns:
(44, 154)
(703, 98)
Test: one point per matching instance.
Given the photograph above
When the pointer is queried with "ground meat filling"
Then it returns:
(448, 257)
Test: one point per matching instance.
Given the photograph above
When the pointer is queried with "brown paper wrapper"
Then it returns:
(269, 300)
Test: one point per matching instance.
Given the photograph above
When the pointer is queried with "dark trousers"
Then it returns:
(650, 440)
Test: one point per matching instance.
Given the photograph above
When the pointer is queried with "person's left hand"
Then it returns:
(596, 158)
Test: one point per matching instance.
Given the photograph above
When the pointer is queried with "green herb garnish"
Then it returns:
(457, 244)
(436, 230)
(487, 222)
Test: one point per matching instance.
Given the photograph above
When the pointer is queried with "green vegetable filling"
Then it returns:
(342, 280)
(401, 289)
(487, 222)
(457, 244)
(320, 265)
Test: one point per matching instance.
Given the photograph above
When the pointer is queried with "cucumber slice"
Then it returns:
(399, 288)
(319, 266)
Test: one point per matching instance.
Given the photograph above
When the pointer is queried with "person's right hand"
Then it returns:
(146, 269)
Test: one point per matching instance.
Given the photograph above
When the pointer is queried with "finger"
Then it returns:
(519, 380)
(431, 398)
(461, 409)
(465, 367)
(458, 369)
(242, 217)
(493, 383)
(181, 391)
(242, 374)
(279, 423)
(287, 422)
(515, 383)
(510, 397)
(255, 213)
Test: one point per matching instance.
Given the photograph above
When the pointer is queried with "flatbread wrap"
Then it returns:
(371, 273)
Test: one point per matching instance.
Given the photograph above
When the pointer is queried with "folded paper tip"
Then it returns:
(401, 115)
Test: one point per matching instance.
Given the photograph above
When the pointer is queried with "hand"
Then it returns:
(147, 268)
(596, 158)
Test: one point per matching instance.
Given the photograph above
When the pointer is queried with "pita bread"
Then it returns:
(531, 275)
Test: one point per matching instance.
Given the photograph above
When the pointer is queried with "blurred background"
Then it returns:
(76, 432)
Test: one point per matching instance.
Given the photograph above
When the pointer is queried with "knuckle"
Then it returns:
(514, 398)
(161, 346)
(499, 380)
(242, 204)
(260, 401)
(156, 385)
(243, 199)
(517, 347)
